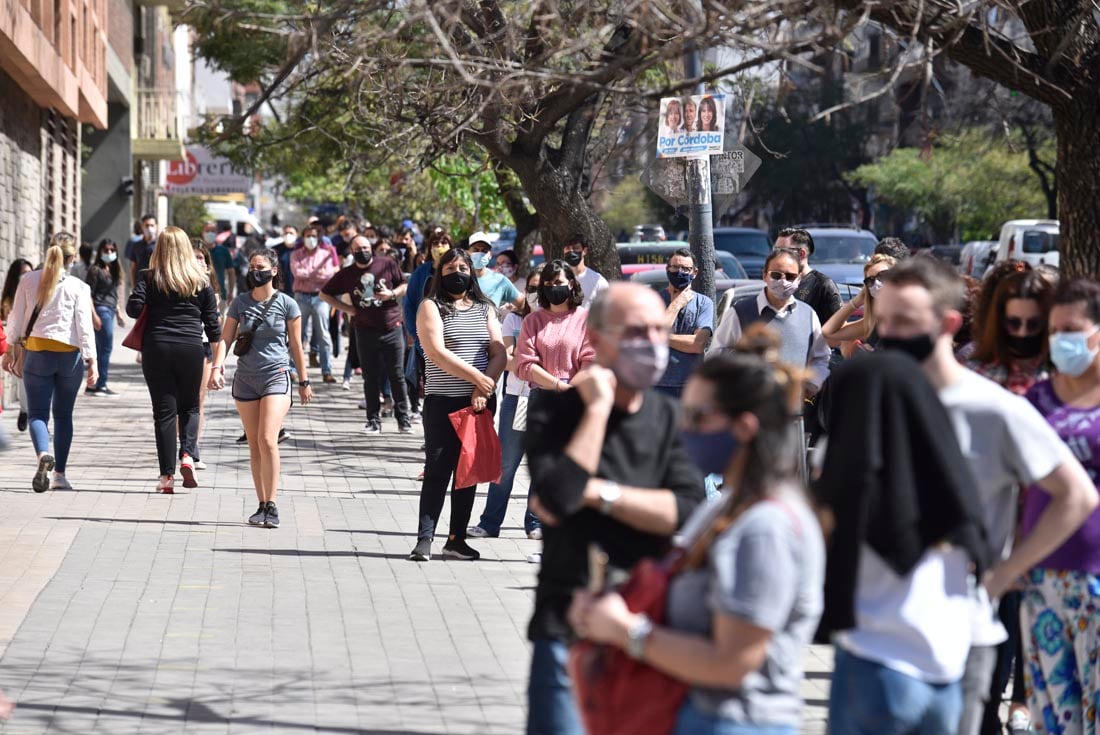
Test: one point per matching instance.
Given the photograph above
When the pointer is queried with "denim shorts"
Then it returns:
(254, 387)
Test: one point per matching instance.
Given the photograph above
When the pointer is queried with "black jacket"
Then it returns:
(821, 293)
(173, 318)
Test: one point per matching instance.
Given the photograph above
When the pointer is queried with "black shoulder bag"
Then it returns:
(244, 339)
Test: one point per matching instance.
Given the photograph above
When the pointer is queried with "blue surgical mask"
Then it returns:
(1070, 353)
(712, 452)
(679, 280)
(480, 261)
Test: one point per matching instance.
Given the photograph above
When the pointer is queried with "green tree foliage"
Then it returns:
(627, 205)
(966, 185)
(189, 214)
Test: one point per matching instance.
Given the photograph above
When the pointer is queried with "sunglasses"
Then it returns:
(1015, 324)
(870, 281)
(693, 416)
(781, 276)
(532, 289)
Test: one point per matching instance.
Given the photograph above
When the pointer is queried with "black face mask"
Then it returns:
(456, 284)
(557, 295)
(573, 258)
(1025, 347)
(256, 279)
(919, 347)
(363, 257)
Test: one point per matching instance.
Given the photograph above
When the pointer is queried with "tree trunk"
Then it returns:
(563, 211)
(1078, 182)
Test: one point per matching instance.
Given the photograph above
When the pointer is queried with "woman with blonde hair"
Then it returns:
(52, 313)
(838, 328)
(179, 304)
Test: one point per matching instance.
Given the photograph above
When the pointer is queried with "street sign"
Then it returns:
(202, 173)
(729, 172)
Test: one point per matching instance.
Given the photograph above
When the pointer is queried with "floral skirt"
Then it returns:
(1060, 618)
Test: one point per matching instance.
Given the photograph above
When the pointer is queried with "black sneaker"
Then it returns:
(422, 551)
(242, 439)
(373, 427)
(93, 391)
(21, 422)
(459, 549)
(271, 520)
(257, 518)
(41, 481)
(283, 435)
(405, 428)
(107, 392)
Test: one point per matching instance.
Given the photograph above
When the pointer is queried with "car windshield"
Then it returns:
(843, 248)
(743, 243)
(729, 265)
(1038, 241)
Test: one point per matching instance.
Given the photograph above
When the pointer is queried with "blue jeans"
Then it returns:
(550, 706)
(52, 379)
(870, 699)
(315, 319)
(104, 343)
(511, 454)
(694, 722)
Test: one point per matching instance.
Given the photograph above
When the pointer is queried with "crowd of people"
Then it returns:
(939, 526)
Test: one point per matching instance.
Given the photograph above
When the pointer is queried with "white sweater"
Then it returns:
(67, 316)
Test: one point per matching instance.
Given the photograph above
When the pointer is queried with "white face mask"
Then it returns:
(150, 233)
(875, 287)
(781, 288)
(311, 243)
(208, 237)
(108, 257)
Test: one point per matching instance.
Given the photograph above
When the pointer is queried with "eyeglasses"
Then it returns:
(680, 269)
(781, 276)
(870, 281)
(1030, 326)
(532, 289)
(693, 416)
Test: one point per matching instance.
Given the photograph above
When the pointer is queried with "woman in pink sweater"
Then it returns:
(553, 343)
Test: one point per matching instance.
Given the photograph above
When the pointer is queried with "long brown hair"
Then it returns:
(1034, 285)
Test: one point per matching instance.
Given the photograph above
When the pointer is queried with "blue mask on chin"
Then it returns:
(712, 452)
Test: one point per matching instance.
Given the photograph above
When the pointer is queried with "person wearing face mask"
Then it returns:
(742, 612)
(105, 280)
(221, 254)
(814, 287)
(860, 332)
(140, 252)
(180, 304)
(508, 266)
(313, 267)
(607, 467)
(262, 381)
(465, 356)
(1062, 592)
(690, 316)
(497, 287)
(575, 252)
(801, 341)
(1006, 444)
(436, 244)
(375, 285)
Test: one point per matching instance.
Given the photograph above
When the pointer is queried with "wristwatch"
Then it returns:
(610, 492)
(303, 383)
(637, 636)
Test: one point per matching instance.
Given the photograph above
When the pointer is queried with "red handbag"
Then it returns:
(616, 694)
(137, 335)
(479, 460)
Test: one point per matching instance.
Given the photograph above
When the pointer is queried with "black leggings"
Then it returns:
(442, 449)
(173, 373)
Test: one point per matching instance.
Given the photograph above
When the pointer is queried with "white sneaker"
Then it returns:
(200, 465)
(477, 532)
(535, 558)
(59, 482)
(345, 385)
(363, 405)
(535, 535)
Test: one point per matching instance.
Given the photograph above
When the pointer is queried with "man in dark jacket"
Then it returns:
(815, 288)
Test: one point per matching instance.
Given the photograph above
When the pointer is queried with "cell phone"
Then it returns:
(597, 569)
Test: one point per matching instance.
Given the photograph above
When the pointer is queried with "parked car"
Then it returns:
(841, 252)
(1031, 240)
(657, 279)
(950, 254)
(976, 257)
(648, 233)
(505, 241)
(749, 245)
(642, 256)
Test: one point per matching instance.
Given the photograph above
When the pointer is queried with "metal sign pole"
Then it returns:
(700, 214)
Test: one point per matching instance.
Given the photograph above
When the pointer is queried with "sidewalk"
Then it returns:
(125, 612)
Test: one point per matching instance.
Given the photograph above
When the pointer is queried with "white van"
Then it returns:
(1031, 240)
(976, 256)
(234, 215)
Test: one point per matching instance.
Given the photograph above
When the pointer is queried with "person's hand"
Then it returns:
(858, 300)
(603, 619)
(596, 386)
(578, 610)
(93, 374)
(217, 378)
(7, 363)
(97, 323)
(384, 294)
(485, 385)
(997, 581)
(119, 320)
(305, 394)
(478, 401)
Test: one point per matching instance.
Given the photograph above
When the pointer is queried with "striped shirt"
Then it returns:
(466, 334)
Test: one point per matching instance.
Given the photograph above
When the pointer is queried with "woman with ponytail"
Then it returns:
(52, 312)
(745, 606)
(180, 304)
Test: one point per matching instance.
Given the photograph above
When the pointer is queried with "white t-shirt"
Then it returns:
(1008, 444)
(591, 283)
(911, 624)
(510, 328)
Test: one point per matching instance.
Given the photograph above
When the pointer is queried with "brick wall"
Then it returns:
(22, 220)
(120, 31)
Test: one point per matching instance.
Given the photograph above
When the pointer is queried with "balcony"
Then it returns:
(158, 131)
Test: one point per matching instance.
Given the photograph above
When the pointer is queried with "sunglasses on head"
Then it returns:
(1033, 325)
(781, 276)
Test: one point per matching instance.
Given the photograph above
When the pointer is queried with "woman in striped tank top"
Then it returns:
(465, 356)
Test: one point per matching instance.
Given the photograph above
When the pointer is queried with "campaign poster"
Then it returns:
(691, 126)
